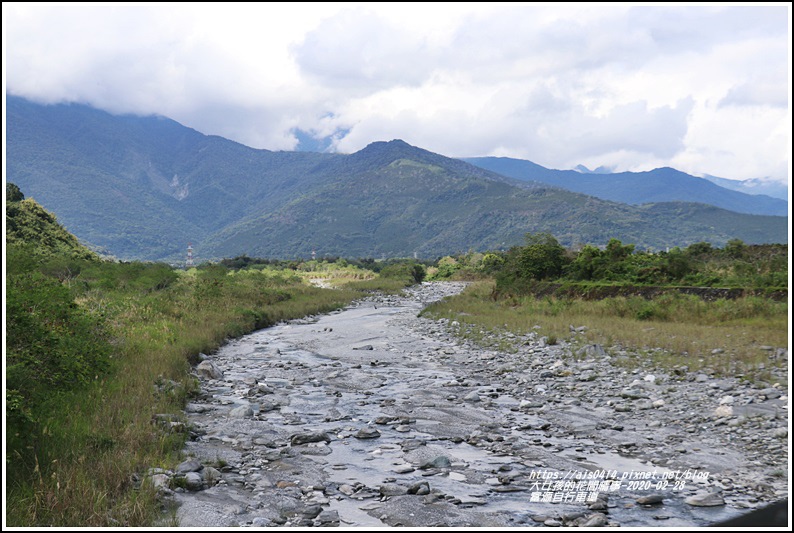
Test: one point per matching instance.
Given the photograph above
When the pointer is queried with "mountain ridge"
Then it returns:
(142, 188)
(664, 184)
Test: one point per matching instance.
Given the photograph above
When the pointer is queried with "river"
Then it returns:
(372, 417)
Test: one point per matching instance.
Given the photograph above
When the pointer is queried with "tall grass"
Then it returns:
(679, 330)
(92, 444)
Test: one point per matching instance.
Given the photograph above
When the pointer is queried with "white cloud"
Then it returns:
(703, 88)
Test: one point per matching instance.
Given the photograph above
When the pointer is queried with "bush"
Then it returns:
(447, 267)
(52, 345)
(411, 272)
(542, 258)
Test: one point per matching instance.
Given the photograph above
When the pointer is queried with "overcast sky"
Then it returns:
(705, 89)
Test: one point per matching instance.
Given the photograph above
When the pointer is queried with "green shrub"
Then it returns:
(52, 345)
(411, 272)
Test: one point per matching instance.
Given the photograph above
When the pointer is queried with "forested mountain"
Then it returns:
(143, 187)
(635, 188)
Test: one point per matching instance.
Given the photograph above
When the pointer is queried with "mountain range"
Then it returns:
(144, 187)
(775, 189)
(636, 188)
(767, 187)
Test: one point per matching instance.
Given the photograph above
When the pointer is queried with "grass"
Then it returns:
(384, 285)
(674, 330)
(91, 443)
(334, 274)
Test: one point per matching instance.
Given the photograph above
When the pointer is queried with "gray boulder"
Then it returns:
(193, 481)
(705, 499)
(191, 465)
(305, 438)
(244, 411)
(208, 369)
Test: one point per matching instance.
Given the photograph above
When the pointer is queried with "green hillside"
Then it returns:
(35, 234)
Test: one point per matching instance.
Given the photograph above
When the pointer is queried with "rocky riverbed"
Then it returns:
(372, 416)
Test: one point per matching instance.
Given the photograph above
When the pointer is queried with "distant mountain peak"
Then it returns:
(384, 152)
(386, 145)
(600, 170)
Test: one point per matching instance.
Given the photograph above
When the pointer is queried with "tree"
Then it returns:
(587, 264)
(617, 252)
(13, 193)
(735, 248)
(542, 258)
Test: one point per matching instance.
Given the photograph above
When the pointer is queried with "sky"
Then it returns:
(702, 88)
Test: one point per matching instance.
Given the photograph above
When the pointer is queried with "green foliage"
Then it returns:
(735, 248)
(410, 272)
(447, 267)
(491, 263)
(67, 407)
(700, 264)
(543, 257)
(13, 194)
(588, 264)
(134, 276)
(32, 228)
(466, 267)
(53, 345)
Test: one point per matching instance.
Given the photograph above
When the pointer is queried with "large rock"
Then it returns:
(244, 411)
(472, 397)
(592, 351)
(440, 461)
(328, 517)
(305, 438)
(367, 433)
(651, 499)
(191, 465)
(392, 489)
(210, 476)
(595, 520)
(208, 369)
(705, 499)
(193, 481)
(160, 481)
(770, 393)
(420, 489)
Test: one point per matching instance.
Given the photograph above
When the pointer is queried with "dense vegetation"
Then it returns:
(97, 351)
(543, 258)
